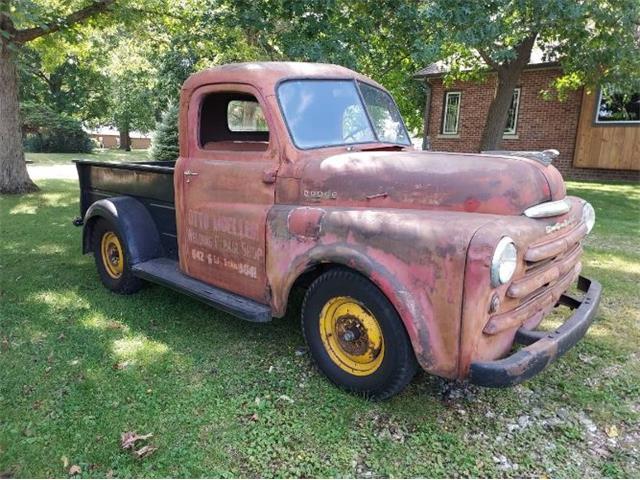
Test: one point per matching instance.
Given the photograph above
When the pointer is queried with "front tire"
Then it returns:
(112, 259)
(355, 335)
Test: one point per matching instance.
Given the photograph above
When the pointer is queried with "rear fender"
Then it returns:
(133, 222)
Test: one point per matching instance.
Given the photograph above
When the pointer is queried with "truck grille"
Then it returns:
(551, 267)
(547, 263)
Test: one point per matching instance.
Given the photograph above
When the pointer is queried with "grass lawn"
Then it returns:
(80, 365)
(100, 154)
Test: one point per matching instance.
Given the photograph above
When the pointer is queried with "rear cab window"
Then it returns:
(232, 121)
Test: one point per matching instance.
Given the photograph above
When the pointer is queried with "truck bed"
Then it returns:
(149, 182)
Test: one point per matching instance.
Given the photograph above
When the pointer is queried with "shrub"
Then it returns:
(164, 145)
(51, 132)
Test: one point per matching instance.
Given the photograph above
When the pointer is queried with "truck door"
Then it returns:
(225, 187)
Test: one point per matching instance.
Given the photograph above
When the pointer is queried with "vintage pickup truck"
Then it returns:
(295, 174)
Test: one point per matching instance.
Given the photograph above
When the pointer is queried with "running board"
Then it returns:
(166, 272)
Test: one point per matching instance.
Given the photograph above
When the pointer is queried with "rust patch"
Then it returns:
(305, 222)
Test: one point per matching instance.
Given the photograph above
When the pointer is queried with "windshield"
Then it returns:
(323, 113)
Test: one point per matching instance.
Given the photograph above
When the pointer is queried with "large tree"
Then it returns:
(64, 78)
(131, 79)
(377, 38)
(595, 41)
(105, 74)
(22, 22)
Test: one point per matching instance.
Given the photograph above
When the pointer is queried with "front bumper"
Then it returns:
(542, 348)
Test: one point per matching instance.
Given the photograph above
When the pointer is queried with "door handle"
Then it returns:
(189, 173)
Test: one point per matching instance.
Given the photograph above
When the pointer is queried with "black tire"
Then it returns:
(126, 283)
(398, 365)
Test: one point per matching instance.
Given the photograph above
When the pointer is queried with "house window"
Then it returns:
(451, 113)
(616, 107)
(512, 114)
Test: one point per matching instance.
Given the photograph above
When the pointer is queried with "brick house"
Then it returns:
(595, 140)
(108, 137)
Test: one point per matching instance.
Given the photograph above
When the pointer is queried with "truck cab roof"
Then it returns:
(267, 75)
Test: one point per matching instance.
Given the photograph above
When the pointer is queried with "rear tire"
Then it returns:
(112, 259)
(355, 335)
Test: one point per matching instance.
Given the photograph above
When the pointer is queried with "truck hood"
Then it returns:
(480, 183)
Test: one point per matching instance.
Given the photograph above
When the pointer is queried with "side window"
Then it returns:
(451, 115)
(232, 121)
(384, 115)
(355, 126)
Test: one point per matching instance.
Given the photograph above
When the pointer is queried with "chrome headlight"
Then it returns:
(504, 262)
(588, 216)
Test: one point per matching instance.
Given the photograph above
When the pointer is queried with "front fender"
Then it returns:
(133, 222)
(416, 258)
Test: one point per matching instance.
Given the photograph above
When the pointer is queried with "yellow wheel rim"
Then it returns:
(351, 336)
(112, 254)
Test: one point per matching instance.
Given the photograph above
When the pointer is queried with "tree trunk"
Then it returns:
(14, 177)
(125, 139)
(426, 145)
(508, 76)
(497, 116)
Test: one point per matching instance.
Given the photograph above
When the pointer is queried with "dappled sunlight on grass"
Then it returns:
(30, 204)
(617, 209)
(11, 246)
(37, 337)
(58, 199)
(50, 248)
(61, 300)
(614, 263)
(24, 208)
(627, 189)
(47, 199)
(98, 320)
(618, 319)
(139, 349)
(605, 327)
(625, 244)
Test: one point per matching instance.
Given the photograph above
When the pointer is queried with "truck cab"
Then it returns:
(303, 175)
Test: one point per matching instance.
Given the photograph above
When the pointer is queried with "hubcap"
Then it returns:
(351, 336)
(112, 255)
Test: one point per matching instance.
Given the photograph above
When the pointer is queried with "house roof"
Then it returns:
(539, 59)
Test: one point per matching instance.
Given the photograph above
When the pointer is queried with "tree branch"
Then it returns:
(158, 13)
(47, 80)
(488, 60)
(28, 34)
(6, 24)
(393, 65)
(525, 47)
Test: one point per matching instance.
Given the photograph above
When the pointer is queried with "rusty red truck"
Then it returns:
(298, 174)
